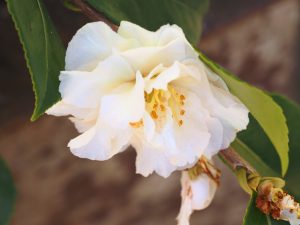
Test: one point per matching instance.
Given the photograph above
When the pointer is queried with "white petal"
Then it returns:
(83, 125)
(163, 79)
(192, 138)
(164, 35)
(176, 50)
(216, 141)
(150, 159)
(149, 127)
(100, 142)
(204, 189)
(85, 89)
(219, 103)
(230, 109)
(125, 106)
(63, 109)
(91, 44)
(142, 36)
(168, 33)
(195, 195)
(80, 89)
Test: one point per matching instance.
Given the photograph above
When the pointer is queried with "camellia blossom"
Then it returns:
(145, 89)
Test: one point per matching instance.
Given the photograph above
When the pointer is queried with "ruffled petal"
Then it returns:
(150, 159)
(193, 136)
(125, 106)
(84, 89)
(162, 36)
(219, 103)
(195, 195)
(63, 109)
(161, 81)
(132, 31)
(91, 44)
(100, 142)
(176, 50)
(80, 89)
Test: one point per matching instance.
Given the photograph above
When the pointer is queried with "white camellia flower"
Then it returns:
(149, 90)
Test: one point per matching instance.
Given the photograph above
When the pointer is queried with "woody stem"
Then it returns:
(93, 14)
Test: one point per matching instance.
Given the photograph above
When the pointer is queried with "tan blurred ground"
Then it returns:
(55, 187)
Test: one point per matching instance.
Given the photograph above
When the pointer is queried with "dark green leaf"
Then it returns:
(43, 50)
(263, 108)
(151, 14)
(7, 194)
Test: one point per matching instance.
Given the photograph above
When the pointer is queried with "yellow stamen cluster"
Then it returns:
(157, 102)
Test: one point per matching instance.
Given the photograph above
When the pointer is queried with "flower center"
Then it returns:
(157, 102)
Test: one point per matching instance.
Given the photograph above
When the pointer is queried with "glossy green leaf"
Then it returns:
(292, 113)
(254, 216)
(7, 194)
(262, 155)
(43, 50)
(259, 151)
(151, 14)
(263, 108)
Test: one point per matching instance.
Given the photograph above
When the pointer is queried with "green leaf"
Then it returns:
(263, 155)
(151, 14)
(255, 217)
(7, 194)
(292, 113)
(263, 108)
(43, 50)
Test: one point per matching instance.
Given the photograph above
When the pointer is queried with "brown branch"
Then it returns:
(93, 14)
(234, 160)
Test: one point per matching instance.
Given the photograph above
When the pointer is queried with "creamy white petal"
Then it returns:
(150, 159)
(163, 79)
(126, 106)
(87, 94)
(195, 195)
(168, 33)
(63, 109)
(171, 147)
(149, 127)
(132, 31)
(216, 141)
(229, 108)
(83, 125)
(144, 59)
(219, 103)
(85, 89)
(91, 44)
(162, 36)
(100, 142)
(192, 138)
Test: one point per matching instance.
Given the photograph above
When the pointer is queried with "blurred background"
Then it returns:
(256, 39)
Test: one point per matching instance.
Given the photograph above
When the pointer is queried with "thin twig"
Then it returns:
(93, 14)
(234, 160)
